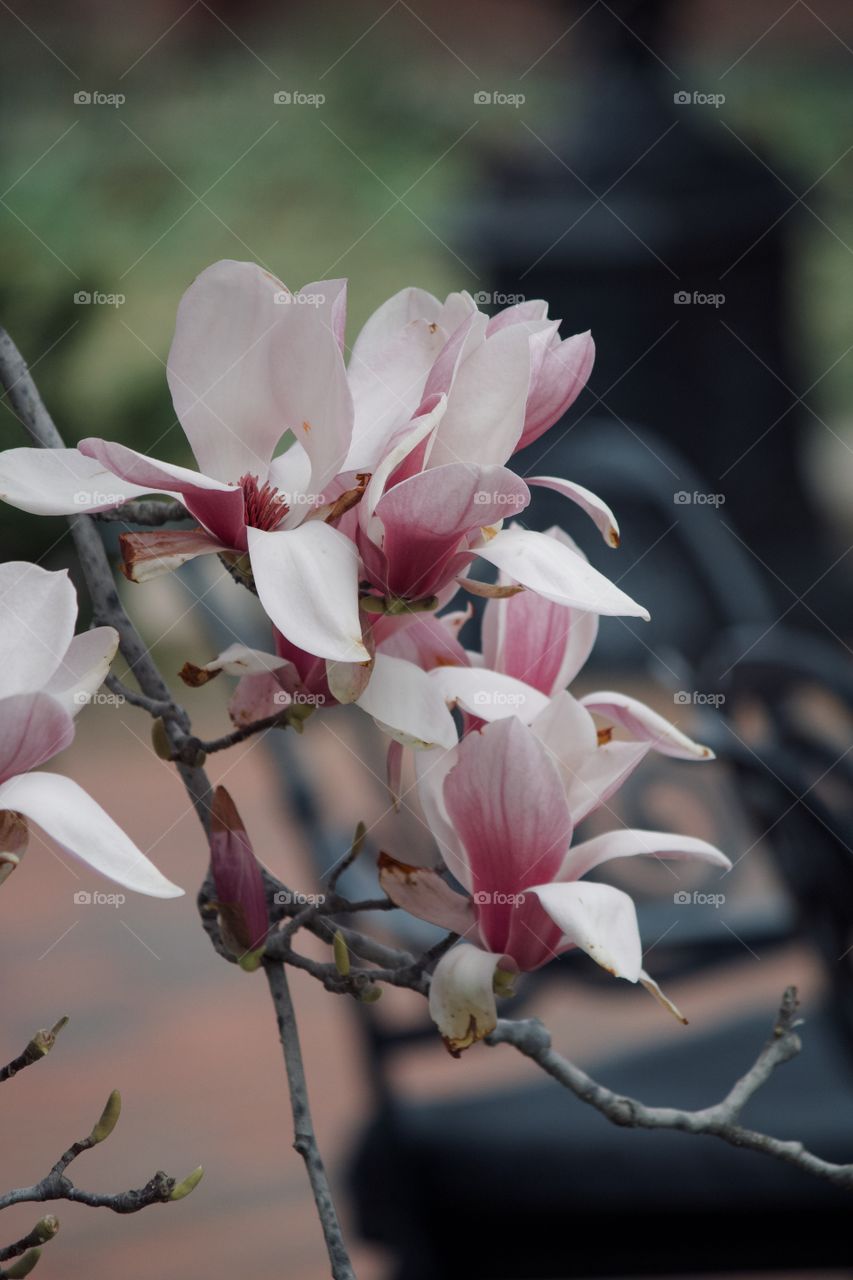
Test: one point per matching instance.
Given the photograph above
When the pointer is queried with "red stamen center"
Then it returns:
(263, 505)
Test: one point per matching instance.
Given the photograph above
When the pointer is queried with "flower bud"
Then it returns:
(108, 1120)
(240, 896)
(190, 1182)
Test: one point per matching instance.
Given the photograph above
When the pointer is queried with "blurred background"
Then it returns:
(675, 177)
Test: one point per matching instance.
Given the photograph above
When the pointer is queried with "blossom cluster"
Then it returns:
(356, 500)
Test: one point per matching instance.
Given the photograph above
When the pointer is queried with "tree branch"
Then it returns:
(39, 1047)
(304, 1139)
(147, 512)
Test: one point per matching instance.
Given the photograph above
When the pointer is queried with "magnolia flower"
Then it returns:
(47, 675)
(249, 362)
(238, 881)
(503, 817)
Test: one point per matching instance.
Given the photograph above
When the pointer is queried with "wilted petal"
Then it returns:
(599, 919)
(645, 725)
(60, 482)
(423, 892)
(76, 822)
(597, 510)
(14, 837)
(629, 843)
(238, 881)
(236, 660)
(307, 581)
(556, 572)
(462, 995)
(158, 551)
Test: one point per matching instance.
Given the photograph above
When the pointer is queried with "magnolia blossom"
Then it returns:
(47, 675)
(503, 811)
(239, 884)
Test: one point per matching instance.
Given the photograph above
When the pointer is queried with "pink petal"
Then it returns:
(630, 843)
(330, 299)
(531, 311)
(556, 572)
(34, 728)
(238, 881)
(424, 893)
(506, 801)
(644, 724)
(561, 371)
(427, 641)
(597, 510)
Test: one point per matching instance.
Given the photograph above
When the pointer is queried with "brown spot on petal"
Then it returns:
(196, 676)
(605, 736)
(489, 590)
(14, 832)
(306, 426)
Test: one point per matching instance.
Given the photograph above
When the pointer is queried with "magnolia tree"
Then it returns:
(356, 539)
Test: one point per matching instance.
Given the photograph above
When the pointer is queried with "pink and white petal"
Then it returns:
(562, 370)
(79, 825)
(567, 732)
(462, 995)
(83, 668)
(489, 695)
(422, 425)
(229, 333)
(403, 700)
(431, 770)
(645, 725)
(485, 411)
(599, 919)
(424, 892)
(597, 510)
(257, 698)
(218, 506)
(394, 772)
(628, 842)
(556, 572)
(239, 660)
(428, 642)
(505, 798)
(34, 728)
(329, 298)
(600, 775)
(307, 582)
(531, 311)
(39, 610)
(60, 482)
(154, 552)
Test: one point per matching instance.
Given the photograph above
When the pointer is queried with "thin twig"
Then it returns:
(304, 1139)
(37, 1048)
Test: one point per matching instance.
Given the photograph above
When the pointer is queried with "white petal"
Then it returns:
(485, 411)
(307, 581)
(462, 995)
(60, 482)
(238, 660)
(490, 695)
(83, 668)
(39, 610)
(631, 843)
(404, 700)
(556, 572)
(76, 822)
(431, 770)
(599, 919)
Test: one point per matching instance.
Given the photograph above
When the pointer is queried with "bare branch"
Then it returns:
(532, 1039)
(304, 1139)
(148, 512)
